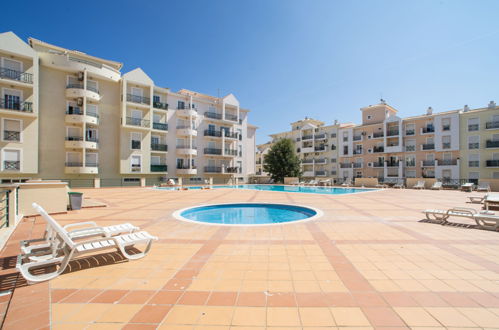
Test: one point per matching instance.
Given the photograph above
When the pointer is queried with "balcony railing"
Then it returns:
(428, 146)
(136, 144)
(16, 75)
(410, 148)
(230, 135)
(446, 145)
(428, 129)
(428, 163)
(138, 122)
(378, 149)
(492, 163)
(492, 124)
(11, 165)
(93, 114)
(357, 151)
(160, 126)
(320, 173)
(319, 136)
(409, 132)
(357, 137)
(213, 115)
(230, 117)
(159, 147)
(307, 137)
(473, 145)
(378, 135)
(321, 161)
(307, 161)
(159, 168)
(321, 148)
(392, 132)
(230, 152)
(11, 136)
(345, 165)
(74, 138)
(212, 151)
(160, 105)
(474, 163)
(91, 139)
(473, 127)
(492, 144)
(210, 132)
(138, 99)
(357, 165)
(185, 167)
(213, 169)
(80, 86)
(17, 106)
(233, 170)
(74, 164)
(379, 164)
(392, 164)
(445, 127)
(410, 163)
(447, 162)
(136, 168)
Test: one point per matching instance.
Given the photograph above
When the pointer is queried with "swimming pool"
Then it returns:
(298, 189)
(247, 214)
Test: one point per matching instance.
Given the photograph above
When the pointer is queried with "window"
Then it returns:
(93, 86)
(410, 174)
(135, 163)
(369, 117)
(155, 139)
(91, 159)
(410, 129)
(156, 98)
(180, 105)
(73, 133)
(92, 110)
(12, 68)
(92, 135)
(135, 140)
(136, 114)
(445, 124)
(11, 160)
(155, 160)
(474, 160)
(135, 91)
(446, 144)
(473, 124)
(495, 175)
(410, 160)
(12, 129)
(12, 99)
(73, 159)
(446, 174)
(131, 179)
(473, 142)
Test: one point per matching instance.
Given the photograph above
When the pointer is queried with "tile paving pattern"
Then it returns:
(368, 263)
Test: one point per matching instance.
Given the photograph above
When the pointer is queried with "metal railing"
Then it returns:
(307, 137)
(378, 149)
(136, 168)
(159, 168)
(91, 139)
(345, 165)
(409, 132)
(410, 164)
(473, 145)
(230, 117)
(445, 127)
(320, 173)
(378, 134)
(213, 169)
(357, 165)
(213, 115)
(492, 144)
(321, 161)
(428, 146)
(4, 208)
(473, 127)
(16, 75)
(307, 161)
(138, 99)
(492, 163)
(74, 138)
(11, 165)
(358, 151)
(230, 135)
(185, 167)
(492, 124)
(321, 148)
(320, 136)
(392, 164)
(17, 106)
(74, 111)
(74, 164)
(159, 147)
(81, 86)
(138, 122)
(357, 137)
(160, 105)
(428, 129)
(212, 151)
(233, 170)
(91, 164)
(474, 163)
(379, 164)
(230, 152)
(428, 163)
(11, 136)
(210, 132)
(93, 114)
(392, 132)
(446, 145)
(160, 126)
(410, 148)
(447, 162)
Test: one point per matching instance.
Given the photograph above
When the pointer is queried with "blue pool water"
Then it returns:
(298, 189)
(247, 213)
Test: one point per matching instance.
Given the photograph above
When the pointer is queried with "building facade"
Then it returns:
(72, 116)
(452, 145)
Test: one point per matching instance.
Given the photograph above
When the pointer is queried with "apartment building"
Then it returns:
(449, 145)
(316, 145)
(73, 116)
(261, 151)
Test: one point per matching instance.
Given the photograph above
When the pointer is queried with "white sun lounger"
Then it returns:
(468, 186)
(64, 249)
(441, 216)
(419, 185)
(476, 199)
(346, 183)
(491, 199)
(437, 186)
(487, 221)
(483, 186)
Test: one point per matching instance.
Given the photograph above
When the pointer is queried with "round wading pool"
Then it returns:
(247, 214)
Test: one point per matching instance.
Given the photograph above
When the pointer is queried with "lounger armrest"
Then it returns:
(462, 210)
(98, 230)
(91, 223)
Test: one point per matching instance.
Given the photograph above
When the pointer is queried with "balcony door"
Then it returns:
(155, 160)
(73, 133)
(12, 98)
(136, 114)
(136, 91)
(155, 139)
(135, 163)
(13, 68)
(73, 159)
(91, 134)
(91, 159)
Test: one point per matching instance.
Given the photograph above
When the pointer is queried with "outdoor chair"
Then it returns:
(437, 186)
(483, 186)
(468, 186)
(419, 185)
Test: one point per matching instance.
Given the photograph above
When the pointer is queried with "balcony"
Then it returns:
(187, 150)
(212, 169)
(428, 163)
(308, 174)
(410, 148)
(159, 147)
(474, 163)
(186, 170)
(428, 146)
(320, 136)
(13, 136)
(411, 163)
(357, 137)
(492, 125)
(138, 122)
(213, 115)
(392, 164)
(473, 145)
(392, 132)
(160, 126)
(445, 127)
(307, 161)
(230, 117)
(320, 173)
(447, 162)
(212, 151)
(11, 165)
(231, 152)
(230, 135)
(80, 168)
(16, 106)
(473, 127)
(358, 151)
(492, 144)
(76, 90)
(307, 150)
(184, 130)
(139, 99)
(378, 149)
(446, 145)
(160, 105)
(379, 164)
(10, 74)
(409, 132)
(345, 165)
(137, 168)
(159, 168)
(428, 129)
(232, 170)
(307, 137)
(77, 142)
(319, 149)
(492, 163)
(358, 165)
(186, 111)
(321, 161)
(377, 135)
(75, 115)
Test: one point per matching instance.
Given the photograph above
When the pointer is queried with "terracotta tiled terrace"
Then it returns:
(369, 262)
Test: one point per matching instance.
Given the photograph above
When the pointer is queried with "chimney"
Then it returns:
(492, 105)
(429, 111)
(336, 121)
(466, 108)
(382, 101)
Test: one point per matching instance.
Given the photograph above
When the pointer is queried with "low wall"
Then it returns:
(494, 183)
(411, 182)
(51, 195)
(291, 180)
(366, 182)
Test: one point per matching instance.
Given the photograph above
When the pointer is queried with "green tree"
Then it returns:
(281, 161)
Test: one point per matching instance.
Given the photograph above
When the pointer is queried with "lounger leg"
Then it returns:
(25, 269)
(138, 255)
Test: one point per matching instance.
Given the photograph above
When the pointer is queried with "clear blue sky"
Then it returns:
(288, 59)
